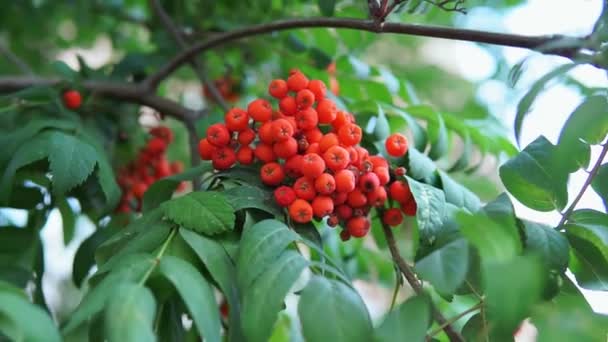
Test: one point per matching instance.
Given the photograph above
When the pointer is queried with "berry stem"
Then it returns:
(416, 285)
(159, 256)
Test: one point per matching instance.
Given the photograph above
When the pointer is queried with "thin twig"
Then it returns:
(19, 63)
(416, 285)
(513, 40)
(456, 318)
(181, 42)
(590, 177)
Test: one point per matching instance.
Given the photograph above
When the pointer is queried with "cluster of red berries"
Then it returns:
(150, 165)
(309, 151)
(72, 99)
(228, 87)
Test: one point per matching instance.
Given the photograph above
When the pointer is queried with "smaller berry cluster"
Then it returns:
(309, 152)
(150, 165)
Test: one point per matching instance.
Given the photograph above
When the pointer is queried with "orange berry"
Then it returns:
(318, 88)
(288, 106)
(396, 145)
(300, 211)
(356, 198)
(304, 188)
(285, 149)
(327, 141)
(304, 99)
(327, 111)
(205, 149)
(400, 191)
(297, 81)
(260, 110)
(223, 158)
(392, 217)
(218, 134)
(307, 118)
(281, 130)
(313, 148)
(237, 120)
(350, 134)
(378, 161)
(284, 196)
(245, 155)
(246, 136)
(272, 174)
(293, 166)
(265, 153)
(336, 158)
(341, 119)
(313, 165)
(278, 89)
(266, 133)
(313, 135)
(409, 208)
(358, 226)
(322, 206)
(345, 181)
(325, 184)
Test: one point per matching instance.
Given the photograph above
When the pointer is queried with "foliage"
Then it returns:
(142, 272)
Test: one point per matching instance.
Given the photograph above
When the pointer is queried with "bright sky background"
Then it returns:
(548, 115)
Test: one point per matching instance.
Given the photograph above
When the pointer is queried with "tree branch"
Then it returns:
(512, 40)
(118, 91)
(181, 42)
(416, 285)
(592, 174)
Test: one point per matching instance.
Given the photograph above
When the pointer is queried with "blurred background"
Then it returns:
(457, 77)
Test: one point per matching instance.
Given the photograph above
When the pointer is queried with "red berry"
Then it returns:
(139, 189)
(223, 158)
(325, 184)
(333, 221)
(272, 174)
(245, 155)
(356, 198)
(345, 181)
(72, 99)
(344, 212)
(304, 189)
(369, 182)
(218, 135)
(288, 105)
(300, 211)
(322, 206)
(260, 110)
(293, 166)
(396, 145)
(327, 141)
(205, 149)
(400, 191)
(265, 153)
(162, 132)
(237, 120)
(392, 217)
(358, 226)
(278, 88)
(307, 118)
(400, 171)
(350, 134)
(246, 136)
(284, 196)
(304, 99)
(266, 133)
(156, 146)
(327, 111)
(318, 88)
(285, 149)
(383, 175)
(409, 208)
(297, 81)
(313, 135)
(313, 165)
(339, 197)
(377, 198)
(281, 130)
(336, 158)
(344, 235)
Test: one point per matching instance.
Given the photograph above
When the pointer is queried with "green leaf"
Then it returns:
(438, 134)
(535, 179)
(567, 321)
(204, 212)
(64, 70)
(71, 161)
(420, 166)
(130, 314)
(587, 232)
(327, 7)
(261, 244)
(25, 197)
(431, 209)
(68, 218)
(85, 255)
(408, 322)
(196, 293)
(107, 182)
(331, 311)
(263, 299)
(25, 321)
(247, 196)
(97, 298)
(600, 184)
(446, 267)
(417, 131)
(526, 102)
(222, 270)
(495, 241)
(511, 289)
(382, 128)
(458, 194)
(548, 243)
(465, 158)
(163, 189)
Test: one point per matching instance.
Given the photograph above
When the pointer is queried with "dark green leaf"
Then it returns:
(261, 244)
(68, 219)
(85, 255)
(588, 235)
(600, 184)
(458, 194)
(495, 241)
(64, 71)
(107, 182)
(548, 243)
(246, 196)
(25, 321)
(408, 322)
(445, 268)
(196, 293)
(263, 299)
(535, 179)
(526, 102)
(204, 212)
(331, 311)
(71, 161)
(25, 197)
(162, 190)
(510, 298)
(327, 7)
(465, 158)
(430, 211)
(438, 135)
(130, 313)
